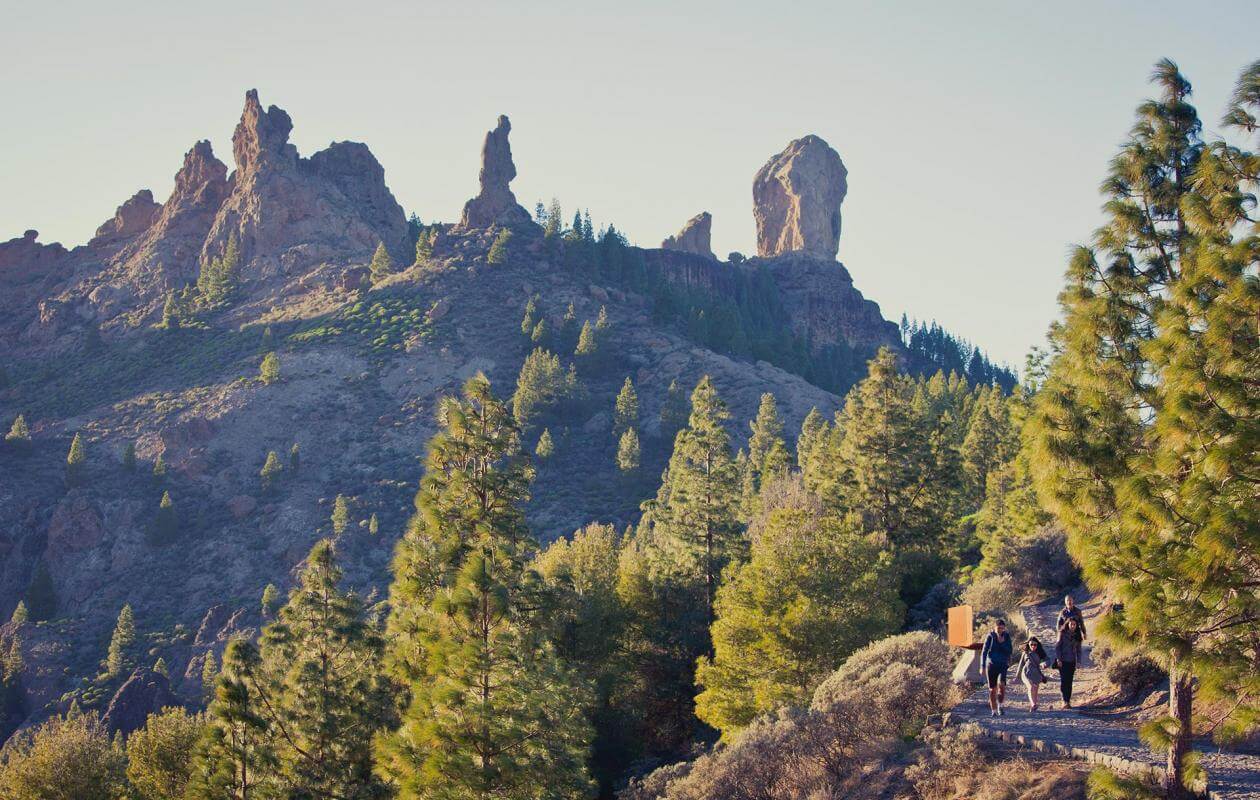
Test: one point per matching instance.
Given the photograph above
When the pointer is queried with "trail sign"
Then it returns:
(962, 621)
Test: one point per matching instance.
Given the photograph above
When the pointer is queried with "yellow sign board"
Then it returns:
(962, 621)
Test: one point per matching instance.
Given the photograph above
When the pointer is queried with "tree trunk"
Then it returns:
(1179, 708)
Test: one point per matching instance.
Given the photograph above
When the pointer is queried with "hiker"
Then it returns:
(1032, 657)
(995, 659)
(1072, 611)
(1067, 654)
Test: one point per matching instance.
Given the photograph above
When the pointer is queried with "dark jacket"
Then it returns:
(997, 651)
(1074, 613)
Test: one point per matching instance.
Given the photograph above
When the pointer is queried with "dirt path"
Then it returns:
(1090, 736)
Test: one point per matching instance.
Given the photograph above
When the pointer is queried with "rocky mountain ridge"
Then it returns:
(362, 369)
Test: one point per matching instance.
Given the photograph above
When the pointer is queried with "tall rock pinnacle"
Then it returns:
(796, 200)
(695, 236)
(495, 204)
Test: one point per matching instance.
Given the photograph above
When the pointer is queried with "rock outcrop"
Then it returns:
(288, 213)
(166, 256)
(796, 200)
(695, 237)
(144, 693)
(495, 204)
(130, 220)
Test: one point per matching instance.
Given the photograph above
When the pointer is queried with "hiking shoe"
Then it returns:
(993, 713)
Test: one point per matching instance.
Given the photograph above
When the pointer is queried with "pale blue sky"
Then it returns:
(975, 133)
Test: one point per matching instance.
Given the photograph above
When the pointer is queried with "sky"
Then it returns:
(975, 133)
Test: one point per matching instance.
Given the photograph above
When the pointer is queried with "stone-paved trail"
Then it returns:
(1089, 735)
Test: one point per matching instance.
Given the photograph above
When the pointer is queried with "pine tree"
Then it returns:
(531, 319)
(541, 337)
(165, 522)
(340, 515)
(767, 453)
(492, 710)
(812, 592)
(159, 755)
(170, 313)
(545, 448)
(233, 759)
(159, 469)
(1146, 431)
(41, 595)
(12, 665)
(625, 410)
(374, 526)
(270, 472)
(295, 458)
(541, 386)
(268, 341)
(129, 457)
(270, 596)
(555, 220)
(628, 451)
(500, 248)
(602, 324)
(269, 369)
(76, 466)
(209, 675)
(673, 410)
(588, 343)
(120, 644)
(813, 433)
(424, 247)
(20, 615)
(160, 668)
(696, 508)
(19, 434)
(382, 266)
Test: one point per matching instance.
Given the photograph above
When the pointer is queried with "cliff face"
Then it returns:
(797, 197)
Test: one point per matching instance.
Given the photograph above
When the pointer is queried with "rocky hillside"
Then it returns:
(110, 341)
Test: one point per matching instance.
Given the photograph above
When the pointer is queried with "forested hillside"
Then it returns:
(337, 504)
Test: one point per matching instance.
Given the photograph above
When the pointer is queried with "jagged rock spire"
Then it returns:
(797, 197)
(695, 237)
(495, 204)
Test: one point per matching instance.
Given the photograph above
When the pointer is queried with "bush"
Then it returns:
(929, 613)
(880, 695)
(64, 757)
(1134, 673)
(919, 649)
(948, 755)
(994, 594)
(1037, 563)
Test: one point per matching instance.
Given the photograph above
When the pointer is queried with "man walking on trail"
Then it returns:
(1072, 611)
(995, 659)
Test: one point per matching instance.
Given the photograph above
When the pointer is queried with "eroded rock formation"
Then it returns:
(796, 200)
(289, 213)
(495, 204)
(695, 237)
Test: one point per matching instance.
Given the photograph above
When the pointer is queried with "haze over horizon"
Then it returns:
(972, 165)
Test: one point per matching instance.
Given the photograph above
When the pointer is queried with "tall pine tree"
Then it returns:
(492, 711)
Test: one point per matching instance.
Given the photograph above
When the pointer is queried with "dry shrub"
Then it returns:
(950, 756)
(993, 594)
(956, 764)
(1134, 673)
(880, 695)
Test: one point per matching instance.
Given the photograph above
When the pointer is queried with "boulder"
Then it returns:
(142, 694)
(695, 236)
(796, 200)
(495, 204)
(75, 526)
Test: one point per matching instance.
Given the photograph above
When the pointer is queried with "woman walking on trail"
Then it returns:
(1067, 655)
(1032, 656)
(995, 659)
